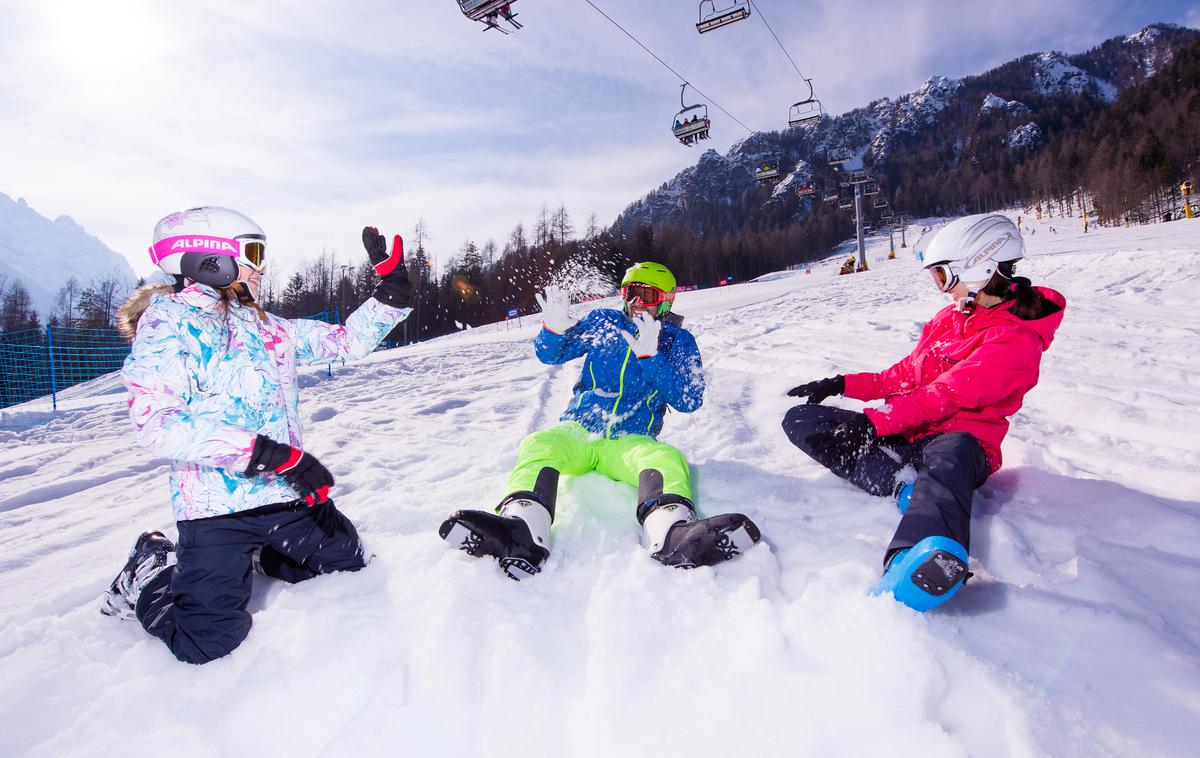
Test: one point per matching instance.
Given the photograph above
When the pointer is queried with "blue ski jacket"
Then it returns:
(617, 392)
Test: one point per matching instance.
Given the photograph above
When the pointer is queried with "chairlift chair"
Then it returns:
(871, 188)
(804, 190)
(839, 155)
(846, 200)
(806, 111)
(830, 197)
(880, 202)
(768, 173)
(887, 214)
(858, 176)
(715, 19)
(689, 130)
(489, 13)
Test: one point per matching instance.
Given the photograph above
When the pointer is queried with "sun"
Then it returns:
(94, 42)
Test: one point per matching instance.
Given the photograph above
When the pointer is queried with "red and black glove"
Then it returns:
(301, 470)
(393, 287)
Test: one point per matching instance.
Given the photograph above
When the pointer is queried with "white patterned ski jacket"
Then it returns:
(203, 385)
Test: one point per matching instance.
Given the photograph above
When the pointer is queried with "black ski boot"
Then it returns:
(676, 539)
(150, 556)
(506, 536)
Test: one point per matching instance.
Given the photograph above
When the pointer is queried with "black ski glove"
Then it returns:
(820, 389)
(393, 287)
(301, 470)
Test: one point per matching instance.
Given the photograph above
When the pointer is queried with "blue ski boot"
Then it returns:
(902, 494)
(927, 574)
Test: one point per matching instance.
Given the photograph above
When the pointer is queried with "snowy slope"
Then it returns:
(1080, 634)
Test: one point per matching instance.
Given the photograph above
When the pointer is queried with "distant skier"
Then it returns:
(212, 387)
(947, 405)
(625, 387)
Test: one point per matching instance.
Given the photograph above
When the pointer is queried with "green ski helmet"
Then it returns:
(655, 275)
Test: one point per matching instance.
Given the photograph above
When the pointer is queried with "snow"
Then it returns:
(994, 103)
(802, 174)
(1078, 636)
(1025, 135)
(43, 254)
(1052, 73)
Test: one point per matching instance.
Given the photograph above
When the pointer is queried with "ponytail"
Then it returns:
(1028, 305)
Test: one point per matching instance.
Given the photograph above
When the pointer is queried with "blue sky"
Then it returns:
(317, 118)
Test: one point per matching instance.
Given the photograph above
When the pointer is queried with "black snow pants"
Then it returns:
(198, 606)
(949, 468)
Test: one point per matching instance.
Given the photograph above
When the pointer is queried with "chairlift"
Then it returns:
(830, 197)
(806, 111)
(806, 189)
(880, 202)
(871, 188)
(767, 173)
(846, 200)
(489, 13)
(858, 176)
(839, 155)
(690, 130)
(715, 19)
(887, 214)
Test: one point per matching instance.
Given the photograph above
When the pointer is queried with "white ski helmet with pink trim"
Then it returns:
(208, 244)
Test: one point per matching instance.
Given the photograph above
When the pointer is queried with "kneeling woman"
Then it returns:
(947, 405)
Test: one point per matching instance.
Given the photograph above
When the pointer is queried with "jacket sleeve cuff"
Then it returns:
(884, 425)
(861, 386)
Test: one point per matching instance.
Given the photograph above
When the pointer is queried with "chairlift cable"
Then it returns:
(778, 42)
(673, 71)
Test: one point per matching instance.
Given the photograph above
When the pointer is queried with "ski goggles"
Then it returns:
(645, 295)
(249, 250)
(943, 276)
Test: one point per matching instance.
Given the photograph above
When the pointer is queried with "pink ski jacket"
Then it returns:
(968, 373)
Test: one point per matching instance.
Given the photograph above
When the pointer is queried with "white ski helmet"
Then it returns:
(207, 245)
(972, 249)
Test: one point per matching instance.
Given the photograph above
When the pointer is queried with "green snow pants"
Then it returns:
(655, 468)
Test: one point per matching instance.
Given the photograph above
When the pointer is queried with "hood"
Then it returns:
(1043, 327)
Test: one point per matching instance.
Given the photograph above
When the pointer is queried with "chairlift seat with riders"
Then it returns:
(880, 202)
(489, 13)
(830, 197)
(806, 189)
(691, 122)
(767, 173)
(846, 200)
(859, 176)
(715, 19)
(887, 214)
(871, 188)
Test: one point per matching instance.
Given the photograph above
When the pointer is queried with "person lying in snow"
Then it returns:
(610, 426)
(212, 386)
(947, 405)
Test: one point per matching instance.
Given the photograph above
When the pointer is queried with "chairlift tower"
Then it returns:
(858, 222)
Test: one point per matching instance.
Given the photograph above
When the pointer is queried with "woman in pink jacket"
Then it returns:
(946, 407)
